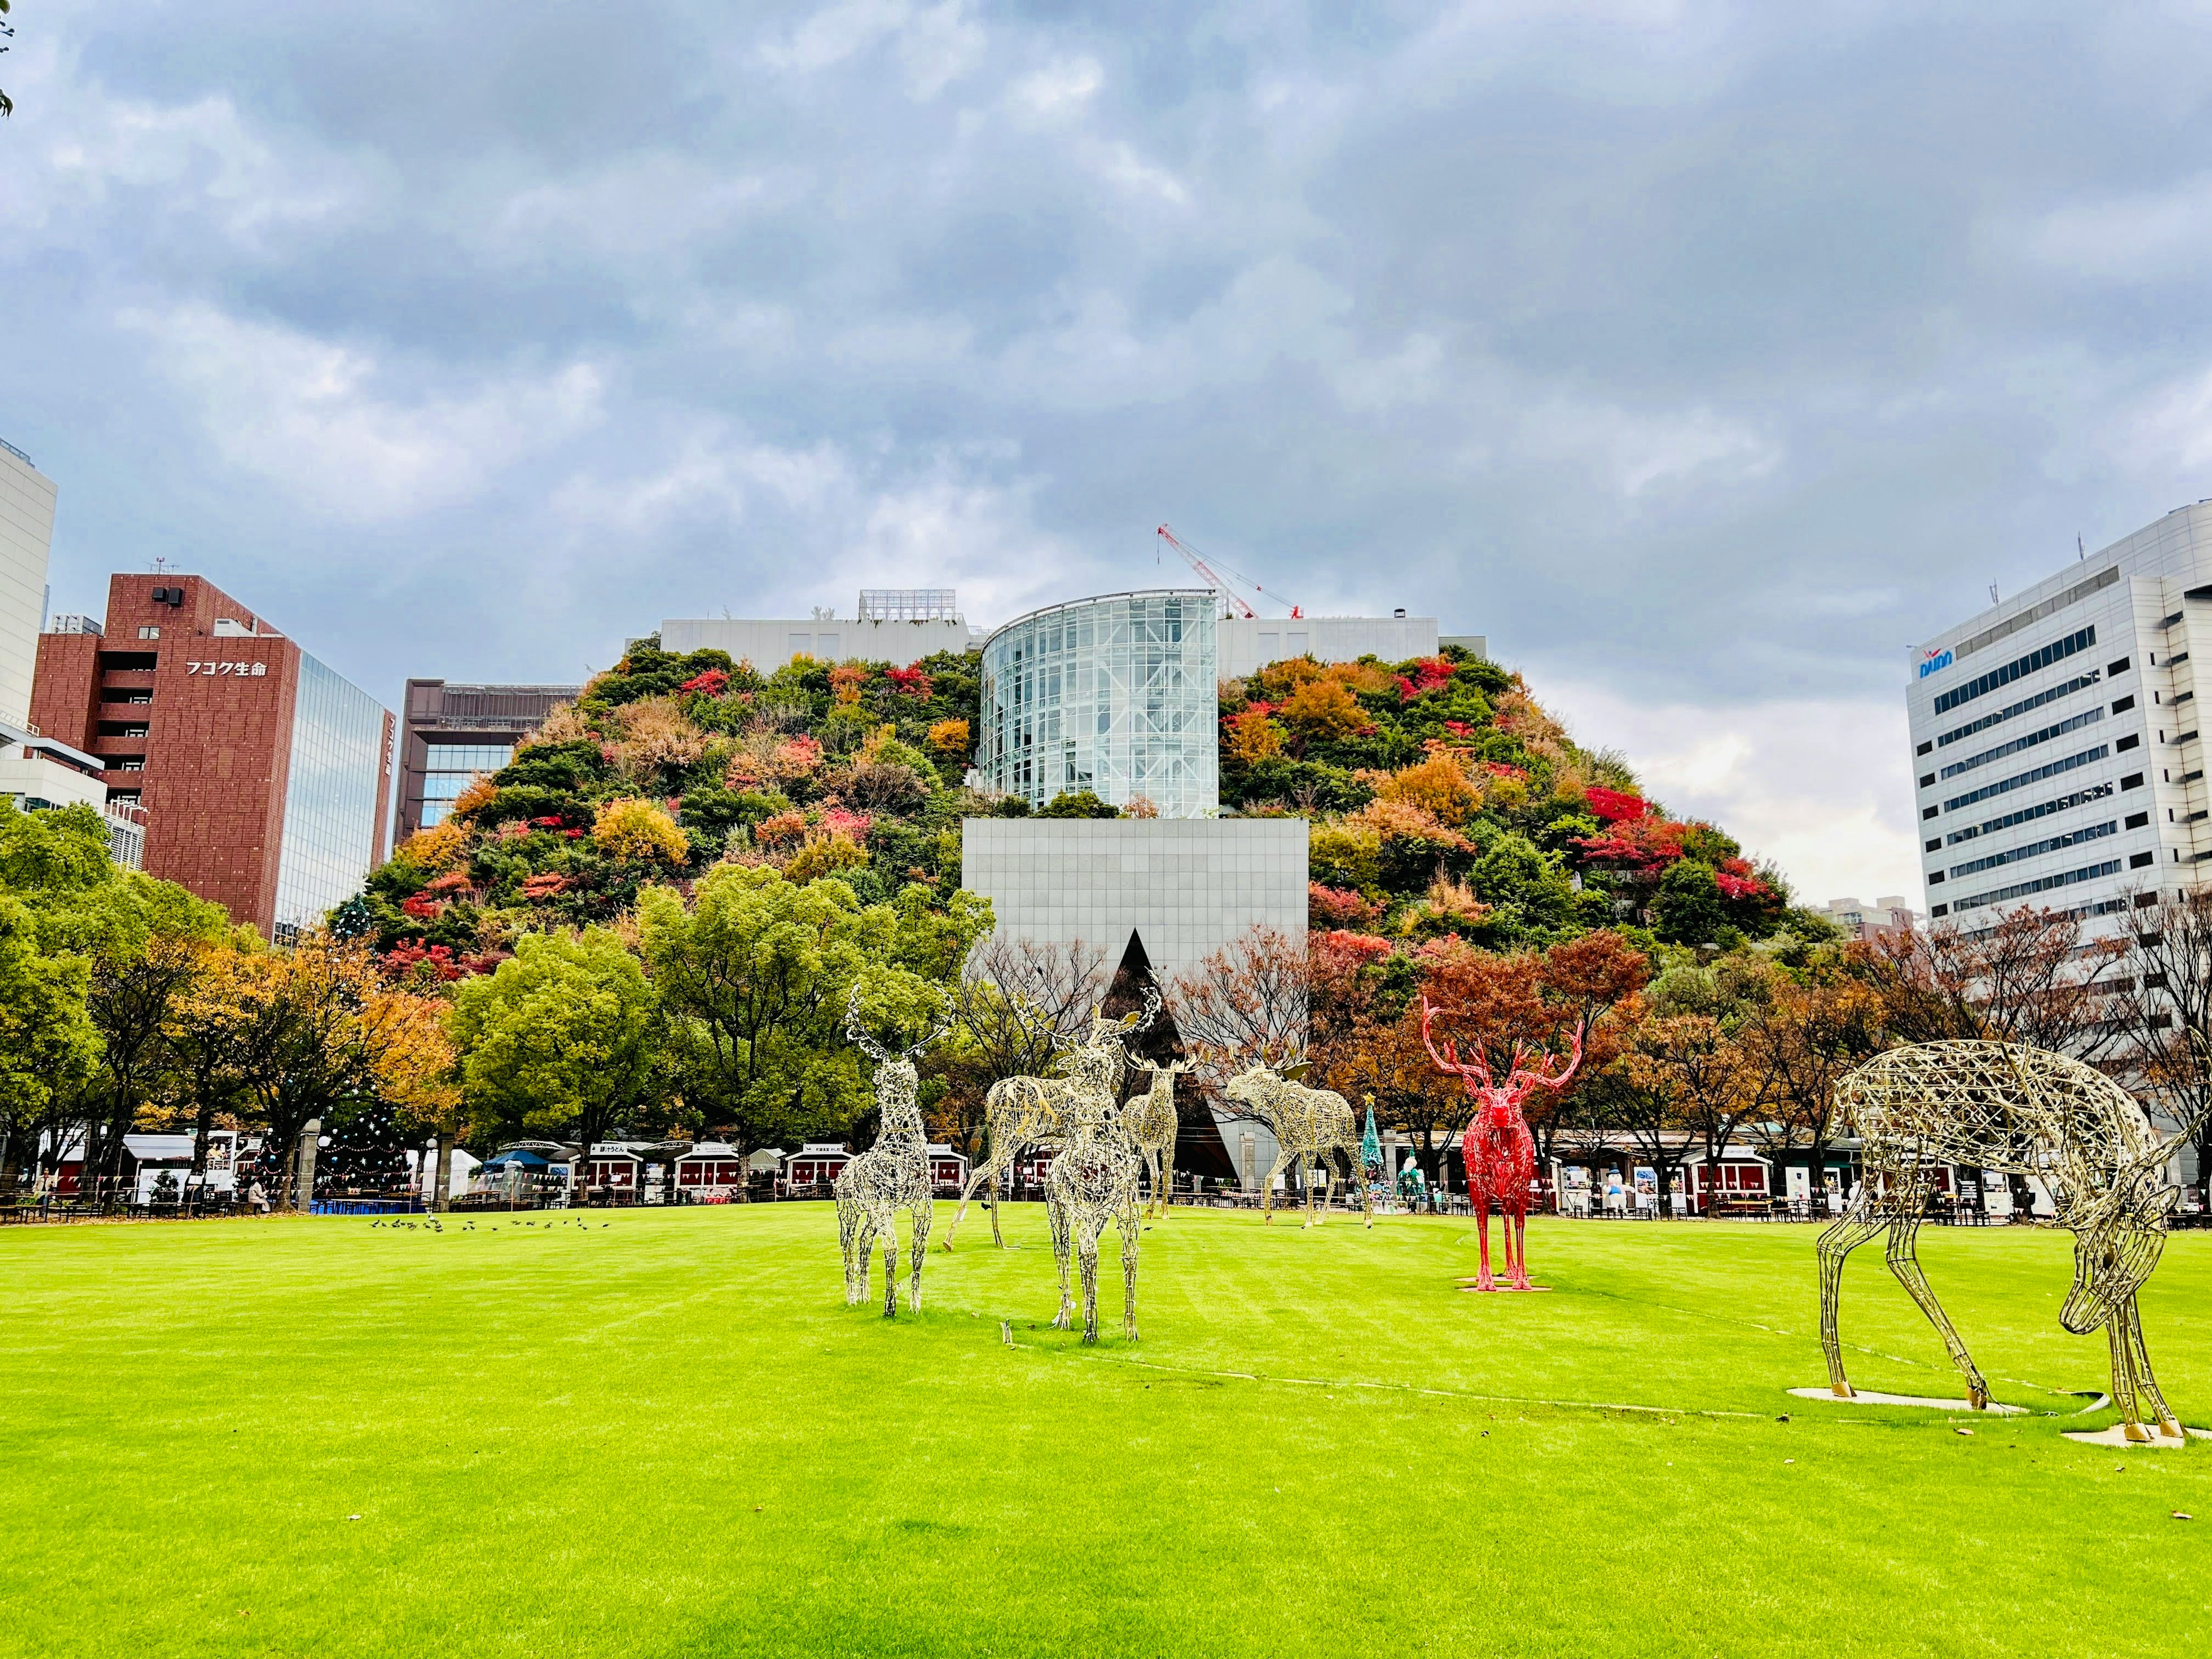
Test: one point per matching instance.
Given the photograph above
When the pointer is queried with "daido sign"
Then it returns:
(1935, 658)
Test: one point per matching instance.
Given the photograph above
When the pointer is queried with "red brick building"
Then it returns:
(265, 778)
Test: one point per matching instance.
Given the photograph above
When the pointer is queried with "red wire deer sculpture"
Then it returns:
(1501, 1153)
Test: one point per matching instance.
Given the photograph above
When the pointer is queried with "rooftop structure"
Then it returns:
(1891, 915)
(451, 734)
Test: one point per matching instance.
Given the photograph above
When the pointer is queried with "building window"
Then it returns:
(2123, 704)
(2138, 860)
(150, 633)
(2131, 741)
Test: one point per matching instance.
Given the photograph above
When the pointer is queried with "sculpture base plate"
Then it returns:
(2117, 1436)
(1500, 1289)
(1865, 1397)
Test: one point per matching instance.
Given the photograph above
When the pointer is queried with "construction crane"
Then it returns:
(1189, 556)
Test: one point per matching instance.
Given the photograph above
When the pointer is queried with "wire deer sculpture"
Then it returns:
(1150, 1121)
(1499, 1150)
(1307, 1123)
(891, 1175)
(1092, 1184)
(1025, 1114)
(2018, 1111)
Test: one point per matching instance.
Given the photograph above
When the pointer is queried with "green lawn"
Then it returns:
(668, 1435)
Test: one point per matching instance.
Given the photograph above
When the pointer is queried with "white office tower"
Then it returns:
(37, 771)
(26, 531)
(2056, 736)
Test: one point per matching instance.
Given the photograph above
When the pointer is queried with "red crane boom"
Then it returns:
(1220, 585)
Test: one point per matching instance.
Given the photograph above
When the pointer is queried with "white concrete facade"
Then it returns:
(768, 645)
(1185, 887)
(1248, 643)
(26, 534)
(2056, 739)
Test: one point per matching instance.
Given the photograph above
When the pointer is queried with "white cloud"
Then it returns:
(2173, 429)
(1824, 788)
(1635, 451)
(323, 420)
(936, 45)
(2138, 237)
(1060, 89)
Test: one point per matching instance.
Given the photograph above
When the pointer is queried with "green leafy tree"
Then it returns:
(559, 1040)
(753, 975)
(1076, 804)
(48, 1044)
(1688, 908)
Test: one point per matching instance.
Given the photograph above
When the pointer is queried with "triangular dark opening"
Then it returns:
(1199, 1146)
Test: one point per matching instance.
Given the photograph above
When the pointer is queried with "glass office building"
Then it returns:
(1115, 695)
(330, 798)
(450, 768)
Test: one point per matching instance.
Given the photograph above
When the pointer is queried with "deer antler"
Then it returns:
(857, 1034)
(1478, 1068)
(1523, 1079)
(937, 1031)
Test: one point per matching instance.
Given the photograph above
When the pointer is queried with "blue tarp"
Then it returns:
(530, 1160)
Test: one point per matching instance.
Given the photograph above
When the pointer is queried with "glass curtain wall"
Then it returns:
(1113, 695)
(449, 767)
(330, 800)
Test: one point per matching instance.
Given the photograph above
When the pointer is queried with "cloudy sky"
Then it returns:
(1703, 356)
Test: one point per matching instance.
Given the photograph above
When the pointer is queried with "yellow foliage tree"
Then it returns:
(824, 855)
(439, 848)
(1253, 738)
(1438, 787)
(949, 737)
(1324, 710)
(634, 829)
(1344, 856)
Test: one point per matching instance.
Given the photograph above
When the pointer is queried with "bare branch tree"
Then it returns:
(2166, 1013)
(1252, 998)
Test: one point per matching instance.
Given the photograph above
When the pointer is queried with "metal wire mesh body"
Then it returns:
(891, 1175)
(1307, 1124)
(1093, 1184)
(1150, 1123)
(2016, 1111)
(1030, 1114)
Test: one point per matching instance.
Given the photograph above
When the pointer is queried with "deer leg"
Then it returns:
(975, 1178)
(2123, 1378)
(1088, 1247)
(887, 1228)
(1518, 1253)
(1483, 1280)
(848, 1224)
(920, 1216)
(863, 1252)
(2168, 1424)
(1130, 1229)
(1904, 1262)
(1267, 1189)
(1056, 1214)
(1328, 1198)
(1837, 1240)
(998, 1239)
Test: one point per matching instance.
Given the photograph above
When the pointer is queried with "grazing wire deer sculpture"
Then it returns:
(1499, 1150)
(1150, 1121)
(891, 1175)
(1314, 1123)
(1093, 1183)
(2019, 1110)
(1022, 1114)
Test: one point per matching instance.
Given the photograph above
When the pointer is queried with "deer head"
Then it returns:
(897, 1082)
(1260, 1076)
(2118, 1238)
(1501, 1101)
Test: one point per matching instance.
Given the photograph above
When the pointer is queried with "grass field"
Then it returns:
(668, 1435)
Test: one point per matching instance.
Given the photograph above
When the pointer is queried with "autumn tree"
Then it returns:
(1803, 1042)
(1252, 999)
(2033, 977)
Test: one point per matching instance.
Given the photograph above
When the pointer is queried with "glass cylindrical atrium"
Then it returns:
(1115, 695)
